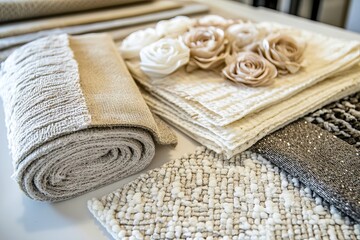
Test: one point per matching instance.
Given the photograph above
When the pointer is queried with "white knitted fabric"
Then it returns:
(229, 118)
(66, 134)
(204, 196)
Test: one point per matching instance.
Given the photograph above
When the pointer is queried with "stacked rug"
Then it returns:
(228, 117)
(75, 118)
(206, 196)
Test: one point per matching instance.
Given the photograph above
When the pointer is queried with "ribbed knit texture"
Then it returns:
(205, 196)
(229, 118)
(53, 99)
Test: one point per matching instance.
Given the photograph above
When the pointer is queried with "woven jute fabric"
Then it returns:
(22, 9)
(206, 196)
(29, 26)
(75, 117)
(229, 118)
(341, 118)
(320, 160)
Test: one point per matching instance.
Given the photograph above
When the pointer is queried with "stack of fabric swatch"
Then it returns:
(229, 118)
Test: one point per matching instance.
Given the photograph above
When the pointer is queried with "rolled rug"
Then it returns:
(75, 118)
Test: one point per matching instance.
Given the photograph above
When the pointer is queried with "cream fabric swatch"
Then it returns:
(230, 118)
(11, 10)
(75, 117)
(17, 28)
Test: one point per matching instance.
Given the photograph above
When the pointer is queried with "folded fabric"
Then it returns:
(341, 118)
(22, 9)
(229, 118)
(205, 196)
(17, 28)
(113, 27)
(75, 118)
(242, 134)
(324, 163)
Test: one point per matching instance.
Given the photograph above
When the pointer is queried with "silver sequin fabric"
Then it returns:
(206, 196)
(342, 118)
(323, 162)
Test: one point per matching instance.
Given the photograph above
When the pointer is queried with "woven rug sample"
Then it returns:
(75, 117)
(29, 26)
(20, 9)
(324, 163)
(341, 118)
(229, 118)
(205, 196)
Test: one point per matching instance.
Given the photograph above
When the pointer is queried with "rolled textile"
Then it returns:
(75, 118)
(29, 26)
(206, 196)
(324, 163)
(22, 9)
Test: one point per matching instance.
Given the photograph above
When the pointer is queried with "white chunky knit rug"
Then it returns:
(204, 196)
(229, 118)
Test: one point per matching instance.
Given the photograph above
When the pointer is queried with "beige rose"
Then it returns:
(283, 51)
(251, 70)
(208, 47)
(214, 21)
(242, 34)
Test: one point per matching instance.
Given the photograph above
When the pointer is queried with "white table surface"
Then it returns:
(23, 218)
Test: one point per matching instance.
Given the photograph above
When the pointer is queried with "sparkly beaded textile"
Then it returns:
(324, 163)
(204, 195)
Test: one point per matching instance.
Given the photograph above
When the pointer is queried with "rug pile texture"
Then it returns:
(206, 196)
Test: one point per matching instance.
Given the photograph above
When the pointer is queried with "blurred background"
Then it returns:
(340, 13)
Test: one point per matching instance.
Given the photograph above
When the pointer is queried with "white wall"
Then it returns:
(353, 18)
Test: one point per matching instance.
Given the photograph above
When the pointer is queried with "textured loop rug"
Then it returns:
(204, 196)
(229, 118)
(75, 117)
(320, 160)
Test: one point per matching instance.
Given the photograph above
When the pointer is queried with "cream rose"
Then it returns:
(251, 70)
(208, 47)
(243, 34)
(163, 57)
(131, 45)
(173, 27)
(214, 21)
(283, 51)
